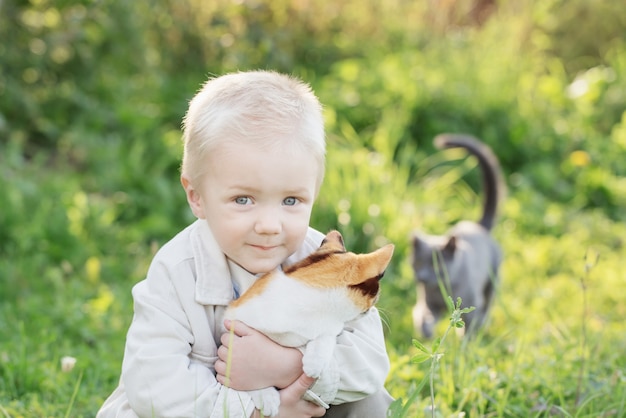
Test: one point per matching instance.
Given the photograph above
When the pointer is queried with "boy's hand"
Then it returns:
(291, 403)
(256, 361)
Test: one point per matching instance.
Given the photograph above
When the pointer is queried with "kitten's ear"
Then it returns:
(450, 246)
(383, 256)
(373, 265)
(333, 240)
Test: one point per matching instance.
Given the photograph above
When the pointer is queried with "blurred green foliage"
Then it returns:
(92, 94)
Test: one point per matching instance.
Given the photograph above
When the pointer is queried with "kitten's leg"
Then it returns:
(266, 400)
(318, 354)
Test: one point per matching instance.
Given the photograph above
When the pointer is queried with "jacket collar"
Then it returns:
(214, 277)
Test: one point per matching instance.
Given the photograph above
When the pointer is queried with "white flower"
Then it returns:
(67, 364)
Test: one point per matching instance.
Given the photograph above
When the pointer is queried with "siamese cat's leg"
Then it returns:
(423, 319)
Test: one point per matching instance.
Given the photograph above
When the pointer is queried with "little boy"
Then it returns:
(253, 164)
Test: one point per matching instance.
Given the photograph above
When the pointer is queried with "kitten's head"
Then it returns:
(331, 266)
(431, 257)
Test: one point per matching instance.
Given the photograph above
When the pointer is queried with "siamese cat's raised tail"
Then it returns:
(466, 260)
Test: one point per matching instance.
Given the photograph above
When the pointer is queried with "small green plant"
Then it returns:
(589, 264)
(74, 394)
(432, 354)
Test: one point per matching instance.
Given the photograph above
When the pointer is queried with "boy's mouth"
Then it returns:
(263, 247)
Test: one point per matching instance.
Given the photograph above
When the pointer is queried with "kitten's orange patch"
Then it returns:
(257, 288)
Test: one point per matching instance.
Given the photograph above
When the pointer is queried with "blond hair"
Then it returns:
(259, 106)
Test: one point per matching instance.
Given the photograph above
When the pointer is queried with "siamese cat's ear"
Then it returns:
(450, 246)
(417, 242)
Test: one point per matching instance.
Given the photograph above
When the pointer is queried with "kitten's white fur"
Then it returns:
(328, 306)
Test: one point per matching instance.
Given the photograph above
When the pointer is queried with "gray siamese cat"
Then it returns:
(467, 258)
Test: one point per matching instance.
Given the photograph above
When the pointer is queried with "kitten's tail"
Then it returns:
(490, 167)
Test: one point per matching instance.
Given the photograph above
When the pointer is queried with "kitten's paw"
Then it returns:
(266, 400)
(312, 367)
(317, 355)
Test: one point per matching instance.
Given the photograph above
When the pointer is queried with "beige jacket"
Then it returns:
(171, 346)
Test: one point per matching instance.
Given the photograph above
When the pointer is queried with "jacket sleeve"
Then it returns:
(162, 374)
(360, 364)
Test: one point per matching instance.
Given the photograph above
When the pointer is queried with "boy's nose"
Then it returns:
(268, 222)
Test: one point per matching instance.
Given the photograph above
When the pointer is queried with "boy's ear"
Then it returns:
(193, 197)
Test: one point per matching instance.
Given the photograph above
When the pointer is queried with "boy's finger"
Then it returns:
(297, 391)
(240, 329)
(301, 385)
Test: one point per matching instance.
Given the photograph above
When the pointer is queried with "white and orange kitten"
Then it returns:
(308, 303)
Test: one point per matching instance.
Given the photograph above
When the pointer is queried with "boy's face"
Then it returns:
(257, 202)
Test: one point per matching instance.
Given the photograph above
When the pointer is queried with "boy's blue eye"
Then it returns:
(290, 201)
(242, 200)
